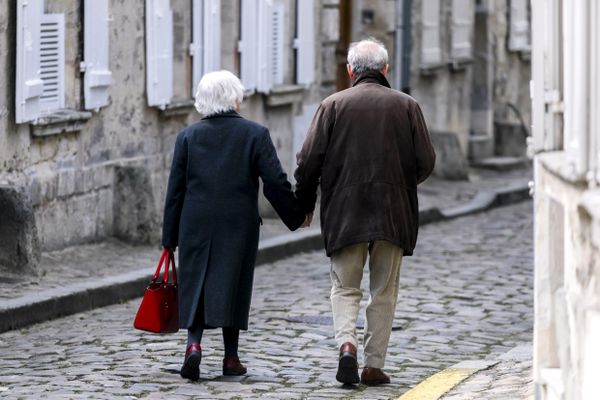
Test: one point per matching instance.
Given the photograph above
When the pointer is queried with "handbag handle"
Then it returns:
(167, 258)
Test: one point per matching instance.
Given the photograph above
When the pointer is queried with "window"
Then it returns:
(518, 38)
(431, 53)
(461, 31)
(262, 44)
(305, 42)
(204, 48)
(97, 76)
(40, 61)
(206, 39)
(159, 52)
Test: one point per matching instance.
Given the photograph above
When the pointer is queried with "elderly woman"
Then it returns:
(211, 213)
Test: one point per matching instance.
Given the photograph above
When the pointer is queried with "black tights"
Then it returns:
(231, 338)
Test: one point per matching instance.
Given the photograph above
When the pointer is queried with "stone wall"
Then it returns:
(79, 182)
(567, 281)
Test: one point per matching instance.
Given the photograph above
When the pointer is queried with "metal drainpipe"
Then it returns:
(404, 45)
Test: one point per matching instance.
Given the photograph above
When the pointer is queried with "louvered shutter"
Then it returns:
(431, 53)
(248, 45)
(98, 77)
(305, 42)
(518, 39)
(159, 52)
(276, 40)
(212, 35)
(265, 46)
(52, 61)
(29, 85)
(197, 45)
(462, 27)
(595, 90)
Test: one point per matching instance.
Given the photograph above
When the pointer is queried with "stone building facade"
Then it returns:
(94, 92)
(566, 144)
(466, 62)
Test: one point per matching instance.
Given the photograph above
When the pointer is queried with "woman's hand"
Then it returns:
(307, 220)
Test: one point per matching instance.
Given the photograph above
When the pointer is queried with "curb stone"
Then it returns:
(59, 302)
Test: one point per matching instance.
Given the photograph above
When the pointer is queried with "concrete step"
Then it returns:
(498, 163)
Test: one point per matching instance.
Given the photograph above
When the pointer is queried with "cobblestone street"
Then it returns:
(466, 295)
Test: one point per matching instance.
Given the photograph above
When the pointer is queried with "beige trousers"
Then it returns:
(347, 267)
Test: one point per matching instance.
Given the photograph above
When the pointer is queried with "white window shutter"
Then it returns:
(52, 61)
(98, 77)
(265, 46)
(212, 35)
(159, 52)
(29, 85)
(277, 39)
(197, 45)
(462, 28)
(305, 42)
(248, 45)
(431, 53)
(595, 92)
(518, 39)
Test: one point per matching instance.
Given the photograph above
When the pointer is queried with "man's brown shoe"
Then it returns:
(233, 366)
(373, 376)
(347, 372)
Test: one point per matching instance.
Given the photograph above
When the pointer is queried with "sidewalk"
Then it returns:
(85, 277)
(465, 298)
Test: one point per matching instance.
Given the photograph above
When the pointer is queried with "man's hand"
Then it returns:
(307, 220)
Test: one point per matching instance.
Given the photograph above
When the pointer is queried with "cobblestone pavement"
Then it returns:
(511, 378)
(467, 294)
(72, 265)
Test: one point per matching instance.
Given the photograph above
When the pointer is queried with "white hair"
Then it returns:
(218, 92)
(367, 55)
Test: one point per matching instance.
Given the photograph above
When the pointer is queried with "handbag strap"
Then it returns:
(173, 268)
(160, 264)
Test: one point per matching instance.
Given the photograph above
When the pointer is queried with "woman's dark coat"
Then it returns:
(211, 213)
(368, 147)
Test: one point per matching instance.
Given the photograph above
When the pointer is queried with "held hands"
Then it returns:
(307, 220)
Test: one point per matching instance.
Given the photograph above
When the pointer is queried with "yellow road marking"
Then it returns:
(439, 384)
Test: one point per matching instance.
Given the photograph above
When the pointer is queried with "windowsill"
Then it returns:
(285, 94)
(460, 64)
(431, 69)
(178, 108)
(557, 164)
(59, 121)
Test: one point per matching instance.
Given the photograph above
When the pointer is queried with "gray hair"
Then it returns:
(218, 92)
(367, 55)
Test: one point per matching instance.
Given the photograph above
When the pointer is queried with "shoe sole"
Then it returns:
(374, 383)
(232, 372)
(190, 369)
(347, 372)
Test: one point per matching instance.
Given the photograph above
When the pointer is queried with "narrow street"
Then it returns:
(467, 294)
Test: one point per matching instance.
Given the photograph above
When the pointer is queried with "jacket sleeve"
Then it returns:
(175, 194)
(310, 159)
(424, 152)
(276, 187)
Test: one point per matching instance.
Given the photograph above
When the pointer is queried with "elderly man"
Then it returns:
(368, 147)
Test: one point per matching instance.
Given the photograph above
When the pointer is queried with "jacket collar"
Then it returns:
(371, 77)
(224, 114)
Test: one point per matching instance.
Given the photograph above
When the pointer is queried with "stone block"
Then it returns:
(450, 161)
(510, 139)
(330, 24)
(19, 245)
(135, 218)
(66, 183)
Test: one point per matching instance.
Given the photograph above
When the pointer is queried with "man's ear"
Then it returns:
(385, 69)
(350, 73)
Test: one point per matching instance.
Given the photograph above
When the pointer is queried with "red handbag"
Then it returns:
(159, 311)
